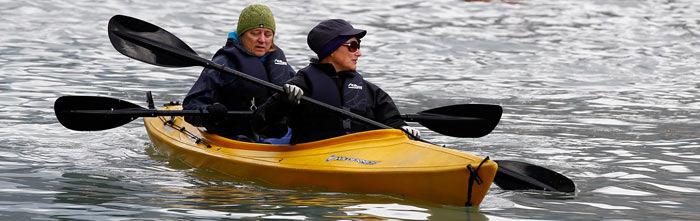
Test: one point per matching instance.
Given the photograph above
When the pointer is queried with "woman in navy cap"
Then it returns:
(250, 49)
(331, 78)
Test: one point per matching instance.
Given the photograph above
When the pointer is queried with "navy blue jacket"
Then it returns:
(346, 90)
(233, 92)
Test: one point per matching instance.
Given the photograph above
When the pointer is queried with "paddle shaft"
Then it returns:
(221, 68)
(142, 112)
(438, 117)
(105, 112)
(152, 113)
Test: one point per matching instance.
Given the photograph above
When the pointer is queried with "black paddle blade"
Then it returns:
(513, 175)
(73, 112)
(461, 120)
(137, 39)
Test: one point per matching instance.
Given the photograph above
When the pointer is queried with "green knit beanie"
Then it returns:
(255, 16)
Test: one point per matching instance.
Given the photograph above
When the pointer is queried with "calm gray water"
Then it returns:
(605, 92)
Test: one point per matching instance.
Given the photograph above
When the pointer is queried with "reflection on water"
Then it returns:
(605, 92)
(394, 211)
(220, 192)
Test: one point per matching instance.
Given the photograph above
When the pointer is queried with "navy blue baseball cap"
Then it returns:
(333, 31)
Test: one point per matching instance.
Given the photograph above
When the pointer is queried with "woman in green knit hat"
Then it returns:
(251, 50)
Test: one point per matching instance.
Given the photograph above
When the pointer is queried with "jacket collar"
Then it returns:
(330, 70)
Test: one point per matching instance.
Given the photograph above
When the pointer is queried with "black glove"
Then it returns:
(215, 117)
(217, 111)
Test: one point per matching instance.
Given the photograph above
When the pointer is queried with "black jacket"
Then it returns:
(310, 122)
(233, 92)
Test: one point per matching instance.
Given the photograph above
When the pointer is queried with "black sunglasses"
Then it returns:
(353, 46)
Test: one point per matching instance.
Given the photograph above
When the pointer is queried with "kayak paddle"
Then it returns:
(149, 43)
(146, 42)
(92, 113)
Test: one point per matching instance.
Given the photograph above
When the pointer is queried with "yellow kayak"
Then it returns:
(379, 161)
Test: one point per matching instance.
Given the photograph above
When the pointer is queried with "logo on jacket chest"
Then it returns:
(280, 62)
(354, 86)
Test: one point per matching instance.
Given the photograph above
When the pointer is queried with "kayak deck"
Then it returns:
(378, 161)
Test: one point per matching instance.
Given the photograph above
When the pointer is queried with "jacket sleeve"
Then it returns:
(385, 111)
(205, 90)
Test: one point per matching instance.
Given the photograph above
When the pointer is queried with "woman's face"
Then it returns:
(345, 57)
(257, 41)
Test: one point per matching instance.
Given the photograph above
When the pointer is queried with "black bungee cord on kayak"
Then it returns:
(474, 176)
(473, 173)
(171, 121)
